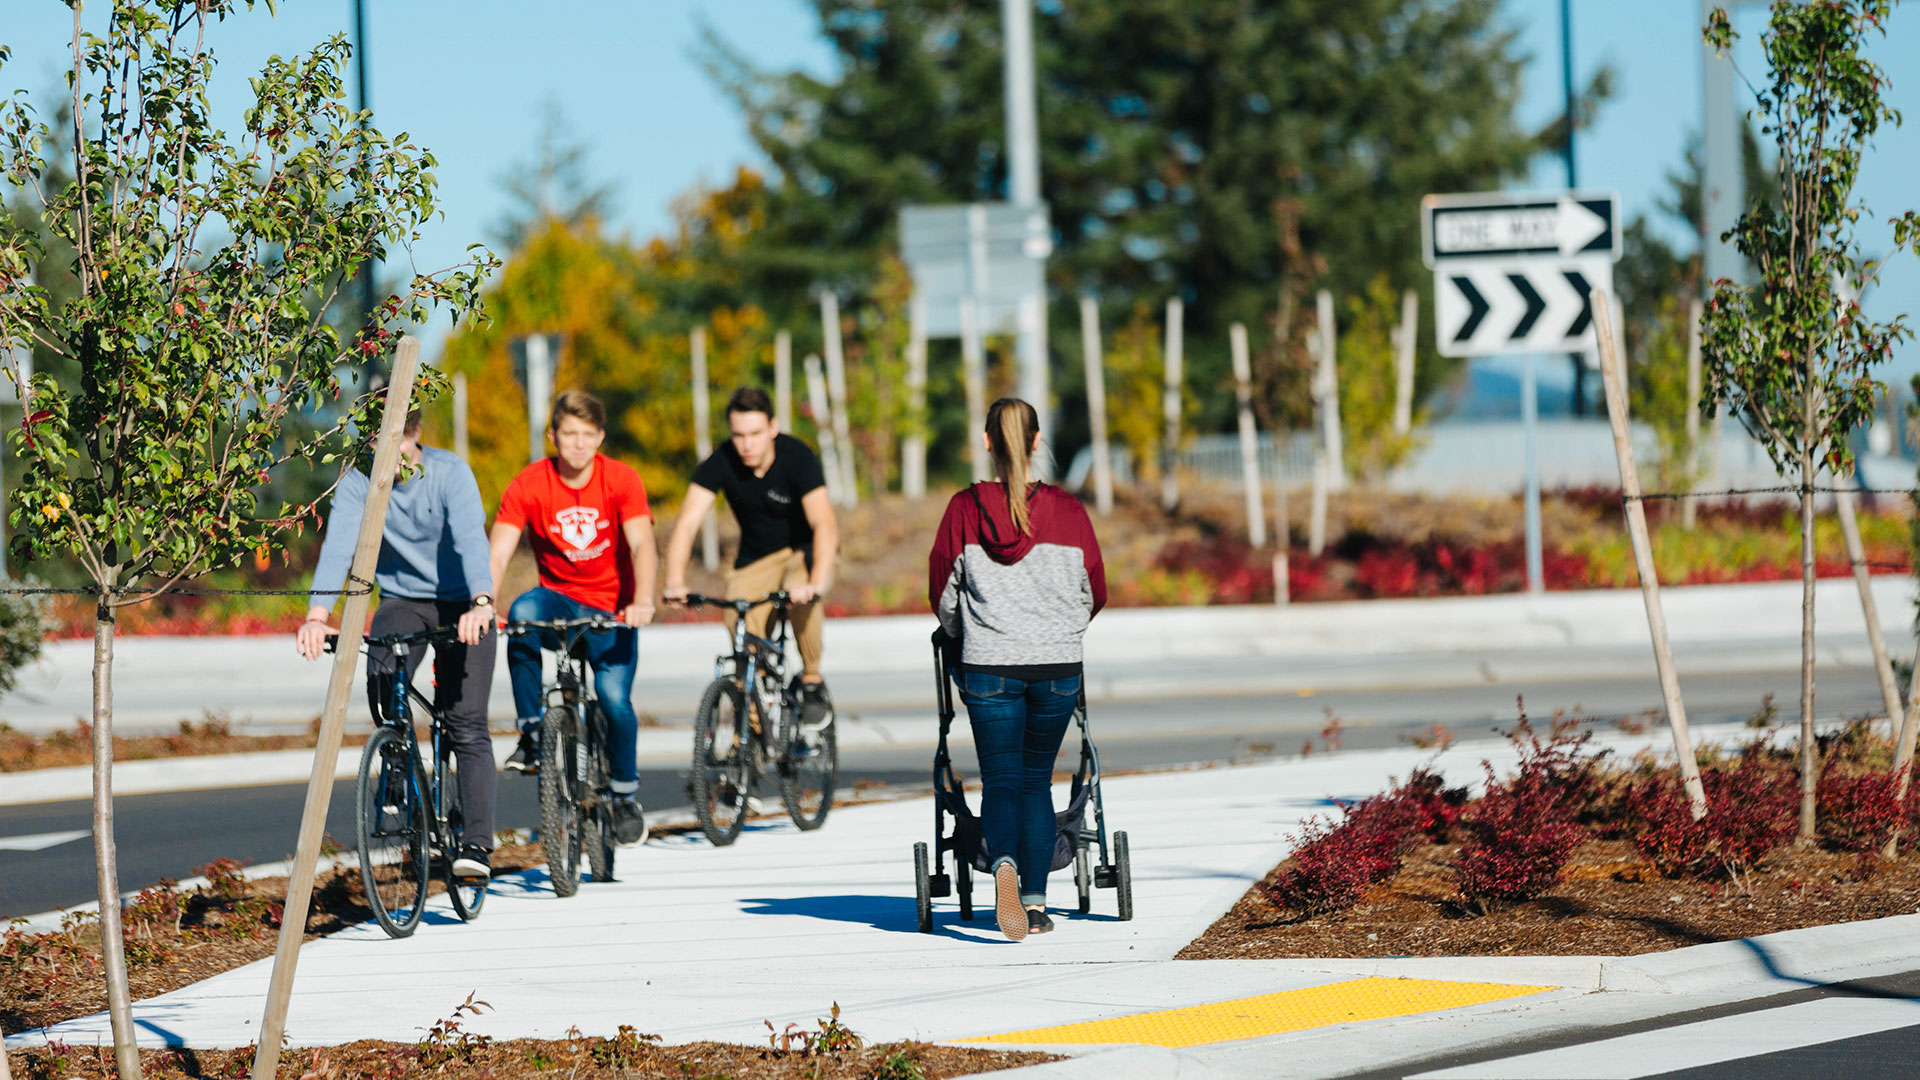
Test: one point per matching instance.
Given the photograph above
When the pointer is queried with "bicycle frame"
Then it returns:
(400, 718)
(753, 654)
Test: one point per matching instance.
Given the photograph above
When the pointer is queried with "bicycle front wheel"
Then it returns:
(391, 819)
(597, 826)
(467, 896)
(809, 766)
(562, 787)
(721, 769)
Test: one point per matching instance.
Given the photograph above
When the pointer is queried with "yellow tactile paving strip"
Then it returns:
(1345, 1002)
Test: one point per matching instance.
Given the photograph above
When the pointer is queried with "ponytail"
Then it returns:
(1012, 429)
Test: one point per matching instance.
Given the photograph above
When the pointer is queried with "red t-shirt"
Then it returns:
(576, 535)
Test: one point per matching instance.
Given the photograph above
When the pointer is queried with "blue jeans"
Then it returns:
(613, 655)
(1017, 728)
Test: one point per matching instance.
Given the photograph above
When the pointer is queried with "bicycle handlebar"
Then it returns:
(418, 637)
(778, 598)
(585, 622)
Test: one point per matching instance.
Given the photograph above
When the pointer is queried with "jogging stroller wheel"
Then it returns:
(1123, 876)
(923, 895)
(963, 884)
(1083, 879)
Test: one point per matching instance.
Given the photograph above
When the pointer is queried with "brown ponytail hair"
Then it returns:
(1012, 430)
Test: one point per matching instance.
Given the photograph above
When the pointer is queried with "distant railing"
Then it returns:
(1213, 458)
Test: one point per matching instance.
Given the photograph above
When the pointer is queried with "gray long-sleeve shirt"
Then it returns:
(435, 546)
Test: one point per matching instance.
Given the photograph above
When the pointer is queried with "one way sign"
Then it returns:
(1488, 307)
(1512, 273)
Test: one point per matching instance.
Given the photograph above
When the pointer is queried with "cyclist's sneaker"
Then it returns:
(629, 820)
(473, 863)
(816, 710)
(1037, 921)
(1006, 901)
(525, 757)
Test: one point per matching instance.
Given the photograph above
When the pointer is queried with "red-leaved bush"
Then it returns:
(1519, 835)
(1750, 812)
(1330, 870)
(1860, 811)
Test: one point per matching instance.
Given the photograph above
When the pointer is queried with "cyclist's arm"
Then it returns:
(646, 567)
(693, 510)
(501, 543)
(336, 557)
(826, 539)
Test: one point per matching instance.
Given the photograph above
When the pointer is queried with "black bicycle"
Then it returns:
(749, 725)
(576, 793)
(408, 819)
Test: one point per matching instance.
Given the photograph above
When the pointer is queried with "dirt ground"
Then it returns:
(1612, 904)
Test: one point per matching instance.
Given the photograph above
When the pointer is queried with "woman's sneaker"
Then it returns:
(1006, 902)
(1037, 921)
(473, 863)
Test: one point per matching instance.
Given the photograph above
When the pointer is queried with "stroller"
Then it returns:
(1073, 843)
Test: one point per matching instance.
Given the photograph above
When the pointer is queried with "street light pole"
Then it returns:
(367, 285)
(1023, 190)
(1722, 189)
(1578, 360)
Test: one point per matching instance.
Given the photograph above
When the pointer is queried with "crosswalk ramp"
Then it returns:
(1763, 1042)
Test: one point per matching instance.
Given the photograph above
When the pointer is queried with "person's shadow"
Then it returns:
(894, 914)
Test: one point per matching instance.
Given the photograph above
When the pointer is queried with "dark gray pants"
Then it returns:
(462, 677)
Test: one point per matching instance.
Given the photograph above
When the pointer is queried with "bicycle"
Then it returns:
(748, 720)
(407, 820)
(576, 793)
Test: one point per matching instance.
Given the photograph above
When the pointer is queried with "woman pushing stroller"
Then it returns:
(1015, 575)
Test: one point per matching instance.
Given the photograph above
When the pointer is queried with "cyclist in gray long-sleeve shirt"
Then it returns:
(432, 571)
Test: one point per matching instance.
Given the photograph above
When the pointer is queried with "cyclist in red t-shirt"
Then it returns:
(586, 516)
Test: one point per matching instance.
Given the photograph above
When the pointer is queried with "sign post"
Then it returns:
(1515, 275)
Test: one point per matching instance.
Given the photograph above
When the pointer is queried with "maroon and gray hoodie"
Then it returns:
(1018, 603)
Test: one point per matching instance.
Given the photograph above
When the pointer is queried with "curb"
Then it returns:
(1131, 1062)
(1786, 960)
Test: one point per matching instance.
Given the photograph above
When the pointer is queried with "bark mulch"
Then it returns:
(1612, 903)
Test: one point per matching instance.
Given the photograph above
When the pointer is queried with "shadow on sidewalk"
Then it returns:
(894, 914)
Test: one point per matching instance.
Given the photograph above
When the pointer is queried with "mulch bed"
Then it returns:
(583, 1058)
(1611, 903)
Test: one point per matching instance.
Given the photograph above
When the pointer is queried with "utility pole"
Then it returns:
(370, 366)
(1722, 188)
(1578, 360)
(1023, 190)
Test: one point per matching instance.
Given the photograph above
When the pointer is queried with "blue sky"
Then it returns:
(469, 79)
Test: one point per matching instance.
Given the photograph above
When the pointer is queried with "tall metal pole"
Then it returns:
(1530, 425)
(367, 273)
(1023, 190)
(1578, 404)
(1721, 190)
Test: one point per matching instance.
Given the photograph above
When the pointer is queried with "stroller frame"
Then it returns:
(963, 841)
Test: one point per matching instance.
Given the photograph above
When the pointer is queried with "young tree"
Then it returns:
(204, 266)
(1791, 355)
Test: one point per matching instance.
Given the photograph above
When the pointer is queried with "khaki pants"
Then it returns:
(784, 569)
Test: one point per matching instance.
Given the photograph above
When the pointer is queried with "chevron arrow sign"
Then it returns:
(1487, 307)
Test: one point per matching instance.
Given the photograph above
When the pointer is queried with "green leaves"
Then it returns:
(196, 360)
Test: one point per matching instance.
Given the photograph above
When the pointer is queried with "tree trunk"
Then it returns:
(1809, 765)
(113, 954)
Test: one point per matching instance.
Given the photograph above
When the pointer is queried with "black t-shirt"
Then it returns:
(767, 507)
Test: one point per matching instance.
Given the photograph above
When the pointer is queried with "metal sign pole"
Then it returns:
(1530, 423)
(539, 395)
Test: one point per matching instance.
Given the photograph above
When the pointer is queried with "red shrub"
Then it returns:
(1750, 812)
(1859, 811)
(1422, 805)
(1333, 865)
(1519, 836)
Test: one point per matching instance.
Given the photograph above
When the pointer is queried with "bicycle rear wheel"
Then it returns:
(809, 766)
(467, 896)
(597, 826)
(391, 819)
(721, 767)
(562, 830)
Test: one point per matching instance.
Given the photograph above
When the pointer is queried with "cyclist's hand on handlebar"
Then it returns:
(803, 593)
(475, 624)
(311, 638)
(639, 613)
(674, 595)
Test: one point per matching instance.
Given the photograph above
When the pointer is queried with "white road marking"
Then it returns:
(40, 841)
(1708, 1042)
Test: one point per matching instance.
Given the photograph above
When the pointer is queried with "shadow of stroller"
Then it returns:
(894, 914)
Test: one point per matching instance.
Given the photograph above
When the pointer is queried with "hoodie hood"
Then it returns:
(1004, 543)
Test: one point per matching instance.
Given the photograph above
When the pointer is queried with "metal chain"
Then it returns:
(365, 588)
(1794, 489)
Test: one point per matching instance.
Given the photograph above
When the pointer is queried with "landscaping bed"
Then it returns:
(1575, 853)
(214, 734)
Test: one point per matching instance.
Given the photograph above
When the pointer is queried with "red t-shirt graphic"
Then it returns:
(576, 535)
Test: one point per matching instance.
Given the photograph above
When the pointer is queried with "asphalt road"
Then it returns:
(168, 835)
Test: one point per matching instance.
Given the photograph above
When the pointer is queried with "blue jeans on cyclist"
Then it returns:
(1017, 729)
(613, 655)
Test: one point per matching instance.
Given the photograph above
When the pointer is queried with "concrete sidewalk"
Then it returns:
(697, 943)
(882, 664)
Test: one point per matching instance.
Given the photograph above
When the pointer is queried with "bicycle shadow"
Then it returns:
(893, 914)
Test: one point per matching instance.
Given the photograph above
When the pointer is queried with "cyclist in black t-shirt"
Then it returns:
(788, 536)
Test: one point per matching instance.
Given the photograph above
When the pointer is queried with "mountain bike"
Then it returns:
(576, 793)
(408, 820)
(749, 726)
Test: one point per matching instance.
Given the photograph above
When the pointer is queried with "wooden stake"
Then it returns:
(1249, 439)
(913, 449)
(1326, 387)
(1688, 510)
(1406, 338)
(823, 427)
(973, 369)
(837, 394)
(1282, 530)
(459, 426)
(1097, 405)
(783, 381)
(1903, 750)
(333, 716)
(703, 441)
(1613, 378)
(1857, 555)
(1170, 406)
